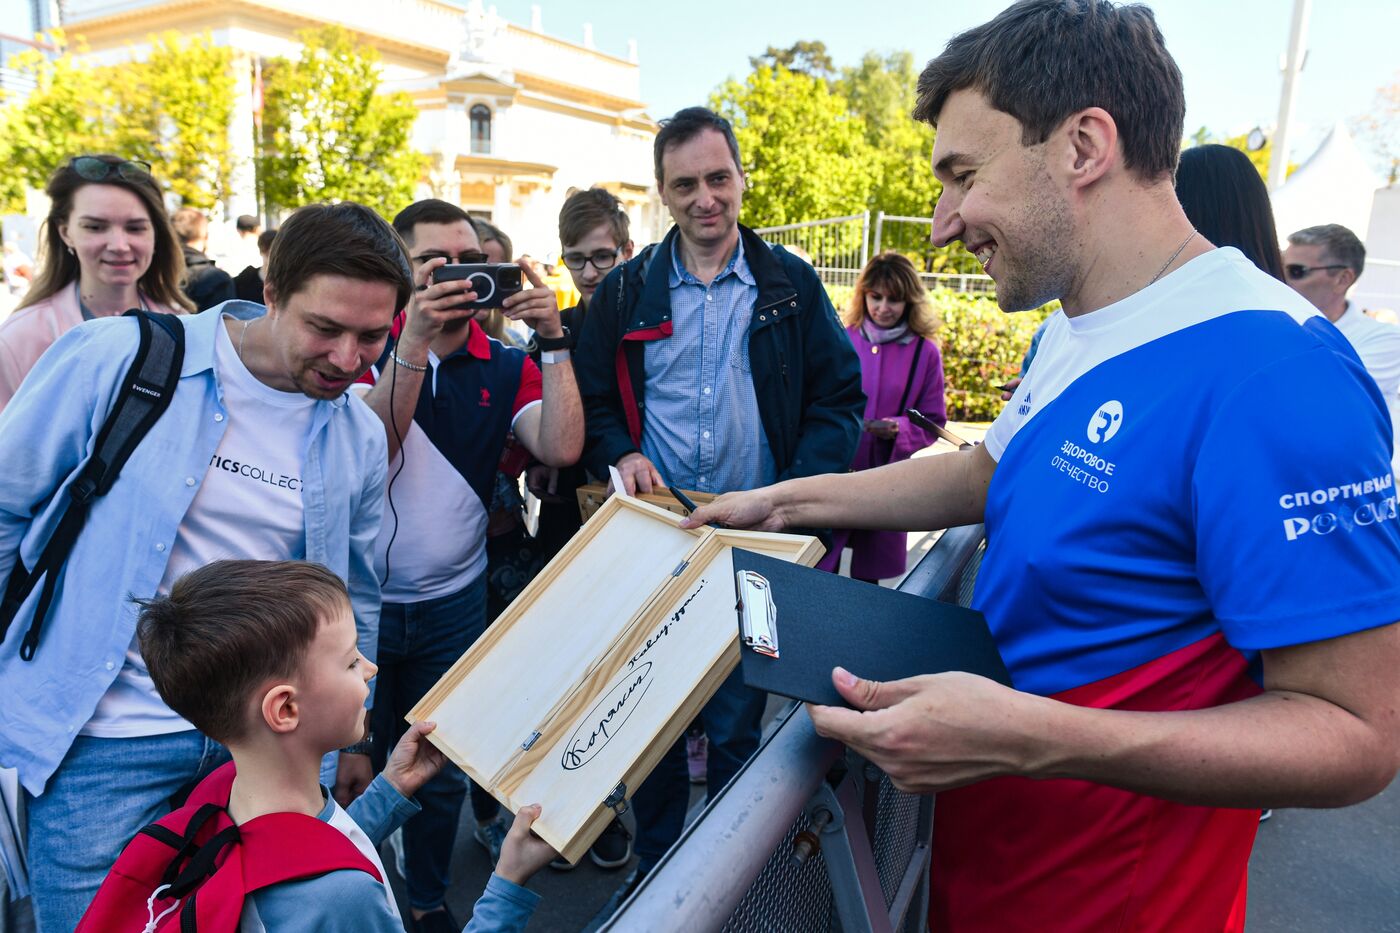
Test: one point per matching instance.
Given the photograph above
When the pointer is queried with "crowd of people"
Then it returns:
(1194, 596)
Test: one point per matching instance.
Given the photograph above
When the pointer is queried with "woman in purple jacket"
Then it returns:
(891, 326)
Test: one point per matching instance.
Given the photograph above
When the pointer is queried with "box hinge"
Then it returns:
(617, 800)
(530, 742)
(680, 568)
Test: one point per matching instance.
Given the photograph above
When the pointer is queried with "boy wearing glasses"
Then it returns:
(593, 238)
(1322, 263)
(448, 396)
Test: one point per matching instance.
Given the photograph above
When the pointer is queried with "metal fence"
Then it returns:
(837, 247)
(913, 237)
(808, 836)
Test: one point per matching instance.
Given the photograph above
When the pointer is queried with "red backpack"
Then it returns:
(192, 870)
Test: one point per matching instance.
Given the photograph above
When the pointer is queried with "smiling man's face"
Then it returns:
(1001, 201)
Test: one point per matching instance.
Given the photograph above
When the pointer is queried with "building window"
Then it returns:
(481, 129)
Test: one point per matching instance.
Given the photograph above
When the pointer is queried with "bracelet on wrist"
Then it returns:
(361, 747)
(554, 356)
(411, 367)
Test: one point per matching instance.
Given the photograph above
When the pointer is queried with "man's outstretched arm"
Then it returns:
(940, 491)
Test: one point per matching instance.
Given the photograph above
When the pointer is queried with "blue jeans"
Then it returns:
(733, 723)
(418, 642)
(102, 794)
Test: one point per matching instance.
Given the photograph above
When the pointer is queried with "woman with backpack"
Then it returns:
(891, 327)
(107, 246)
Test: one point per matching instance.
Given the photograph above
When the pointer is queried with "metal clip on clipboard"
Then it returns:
(758, 615)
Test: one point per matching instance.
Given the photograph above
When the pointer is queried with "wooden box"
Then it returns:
(572, 696)
(592, 497)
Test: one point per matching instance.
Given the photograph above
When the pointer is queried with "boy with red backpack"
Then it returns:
(262, 656)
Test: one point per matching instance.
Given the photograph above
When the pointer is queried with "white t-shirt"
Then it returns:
(1212, 284)
(248, 507)
(1378, 345)
(434, 529)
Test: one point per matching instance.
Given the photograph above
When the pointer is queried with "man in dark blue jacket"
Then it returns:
(712, 362)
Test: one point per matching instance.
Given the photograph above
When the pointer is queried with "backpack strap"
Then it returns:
(909, 382)
(142, 397)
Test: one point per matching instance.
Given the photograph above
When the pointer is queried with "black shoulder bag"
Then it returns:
(143, 396)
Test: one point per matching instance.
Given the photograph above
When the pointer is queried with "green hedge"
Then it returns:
(982, 347)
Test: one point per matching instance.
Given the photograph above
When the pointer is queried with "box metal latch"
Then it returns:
(758, 616)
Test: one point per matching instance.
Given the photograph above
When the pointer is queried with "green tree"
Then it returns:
(804, 153)
(329, 134)
(882, 91)
(174, 111)
(171, 110)
(66, 113)
(807, 56)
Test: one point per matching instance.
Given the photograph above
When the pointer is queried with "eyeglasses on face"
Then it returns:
(469, 256)
(1297, 271)
(602, 259)
(94, 169)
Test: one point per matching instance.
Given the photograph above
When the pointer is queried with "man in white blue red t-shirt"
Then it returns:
(1193, 564)
(449, 397)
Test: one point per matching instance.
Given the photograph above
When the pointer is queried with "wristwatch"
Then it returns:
(563, 342)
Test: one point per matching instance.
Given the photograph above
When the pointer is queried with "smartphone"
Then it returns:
(928, 424)
(493, 282)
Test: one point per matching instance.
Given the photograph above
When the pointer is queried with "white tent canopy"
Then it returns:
(1334, 186)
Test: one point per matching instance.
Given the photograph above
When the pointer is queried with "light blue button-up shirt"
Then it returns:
(701, 427)
(48, 431)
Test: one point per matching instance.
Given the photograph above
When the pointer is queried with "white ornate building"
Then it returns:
(511, 118)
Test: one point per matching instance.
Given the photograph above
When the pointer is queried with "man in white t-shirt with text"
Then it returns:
(262, 454)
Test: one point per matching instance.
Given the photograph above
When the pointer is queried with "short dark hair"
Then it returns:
(265, 240)
(227, 628)
(345, 239)
(486, 231)
(684, 126)
(189, 224)
(427, 211)
(1042, 60)
(1341, 244)
(1226, 201)
(246, 223)
(585, 210)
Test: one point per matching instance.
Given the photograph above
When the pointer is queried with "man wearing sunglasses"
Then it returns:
(1322, 263)
(449, 397)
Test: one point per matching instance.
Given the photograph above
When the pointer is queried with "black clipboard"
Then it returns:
(816, 621)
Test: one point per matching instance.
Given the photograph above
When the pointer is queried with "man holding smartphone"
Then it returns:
(449, 398)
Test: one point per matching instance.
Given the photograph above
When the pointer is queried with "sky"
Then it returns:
(1229, 51)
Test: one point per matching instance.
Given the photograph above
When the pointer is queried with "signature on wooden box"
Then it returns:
(572, 696)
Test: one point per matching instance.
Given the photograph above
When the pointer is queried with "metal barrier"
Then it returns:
(807, 836)
(837, 247)
(910, 235)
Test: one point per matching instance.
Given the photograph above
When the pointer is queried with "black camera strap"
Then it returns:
(143, 396)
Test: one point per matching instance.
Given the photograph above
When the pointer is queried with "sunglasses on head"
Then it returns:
(1296, 271)
(94, 169)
